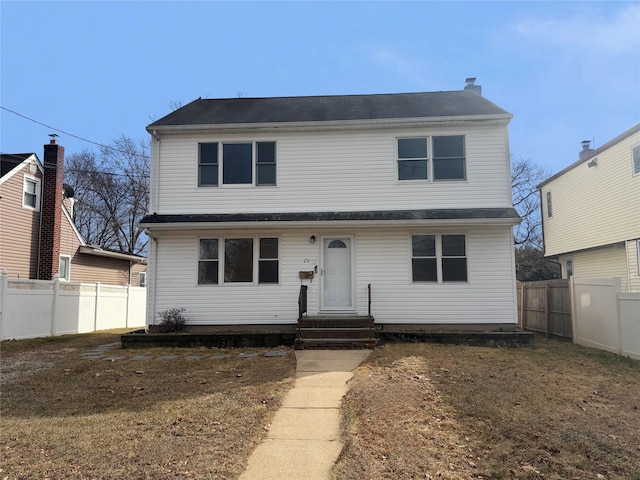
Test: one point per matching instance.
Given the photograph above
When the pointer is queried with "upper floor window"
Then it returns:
(439, 258)
(447, 161)
(31, 193)
(242, 163)
(635, 153)
(549, 206)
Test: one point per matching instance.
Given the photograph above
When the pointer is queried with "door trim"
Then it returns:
(352, 241)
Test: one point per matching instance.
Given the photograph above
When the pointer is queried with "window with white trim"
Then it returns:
(549, 208)
(31, 193)
(635, 154)
(568, 267)
(439, 258)
(244, 260)
(268, 264)
(439, 158)
(238, 260)
(142, 279)
(208, 261)
(241, 163)
(64, 268)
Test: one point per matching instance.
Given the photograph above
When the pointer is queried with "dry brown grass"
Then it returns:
(66, 417)
(434, 411)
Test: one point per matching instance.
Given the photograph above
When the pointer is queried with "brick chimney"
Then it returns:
(51, 213)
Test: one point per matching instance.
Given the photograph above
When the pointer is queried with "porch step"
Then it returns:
(335, 332)
(335, 322)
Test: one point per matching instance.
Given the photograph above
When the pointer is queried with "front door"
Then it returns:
(337, 294)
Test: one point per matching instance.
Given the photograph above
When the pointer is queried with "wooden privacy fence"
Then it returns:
(545, 306)
(36, 308)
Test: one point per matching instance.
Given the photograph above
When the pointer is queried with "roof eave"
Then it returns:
(88, 249)
(455, 120)
(329, 223)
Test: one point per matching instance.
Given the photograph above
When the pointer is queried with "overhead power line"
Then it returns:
(71, 134)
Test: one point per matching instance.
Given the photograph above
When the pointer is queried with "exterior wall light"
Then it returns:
(312, 239)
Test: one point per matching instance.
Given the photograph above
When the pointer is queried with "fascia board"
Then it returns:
(104, 253)
(420, 122)
(328, 223)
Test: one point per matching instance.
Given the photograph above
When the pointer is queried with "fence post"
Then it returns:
(95, 313)
(547, 308)
(524, 306)
(4, 284)
(126, 321)
(522, 309)
(54, 303)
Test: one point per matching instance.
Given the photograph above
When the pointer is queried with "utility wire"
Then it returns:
(16, 160)
(72, 135)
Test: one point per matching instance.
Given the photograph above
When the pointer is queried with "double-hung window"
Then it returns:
(64, 268)
(635, 153)
(244, 260)
(437, 158)
(439, 258)
(31, 193)
(208, 261)
(236, 163)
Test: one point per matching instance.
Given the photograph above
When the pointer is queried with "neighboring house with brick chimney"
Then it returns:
(38, 238)
(591, 212)
(396, 206)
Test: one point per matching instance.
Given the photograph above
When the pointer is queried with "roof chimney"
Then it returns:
(51, 213)
(471, 85)
(586, 150)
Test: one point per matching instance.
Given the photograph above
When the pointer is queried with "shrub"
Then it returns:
(172, 320)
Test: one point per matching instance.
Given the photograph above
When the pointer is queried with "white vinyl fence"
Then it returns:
(605, 318)
(36, 308)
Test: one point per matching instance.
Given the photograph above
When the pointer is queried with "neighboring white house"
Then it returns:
(409, 193)
(591, 212)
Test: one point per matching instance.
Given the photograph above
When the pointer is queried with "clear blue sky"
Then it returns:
(568, 71)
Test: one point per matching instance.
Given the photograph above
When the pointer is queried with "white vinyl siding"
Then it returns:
(382, 258)
(601, 263)
(594, 206)
(334, 171)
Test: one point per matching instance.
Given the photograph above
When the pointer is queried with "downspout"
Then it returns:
(151, 284)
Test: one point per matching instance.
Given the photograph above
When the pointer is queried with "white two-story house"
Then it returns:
(403, 200)
(591, 212)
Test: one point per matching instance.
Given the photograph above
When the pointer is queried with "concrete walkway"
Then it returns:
(304, 439)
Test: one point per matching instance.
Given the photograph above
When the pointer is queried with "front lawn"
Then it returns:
(63, 416)
(557, 411)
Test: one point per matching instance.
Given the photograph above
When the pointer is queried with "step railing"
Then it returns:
(302, 301)
(371, 325)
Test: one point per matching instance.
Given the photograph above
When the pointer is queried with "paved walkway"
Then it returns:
(304, 439)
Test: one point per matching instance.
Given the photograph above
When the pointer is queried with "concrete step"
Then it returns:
(358, 333)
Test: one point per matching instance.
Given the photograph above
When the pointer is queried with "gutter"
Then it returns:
(417, 122)
(94, 250)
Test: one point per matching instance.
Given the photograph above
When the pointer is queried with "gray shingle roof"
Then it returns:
(329, 108)
(8, 161)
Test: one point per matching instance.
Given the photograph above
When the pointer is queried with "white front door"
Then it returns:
(337, 294)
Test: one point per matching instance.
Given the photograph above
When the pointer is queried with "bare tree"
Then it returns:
(525, 178)
(530, 261)
(112, 194)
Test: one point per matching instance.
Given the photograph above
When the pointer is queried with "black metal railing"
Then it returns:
(302, 301)
(369, 311)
